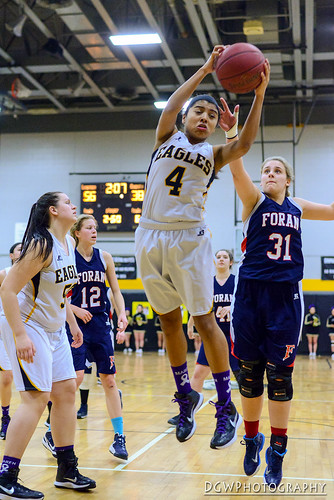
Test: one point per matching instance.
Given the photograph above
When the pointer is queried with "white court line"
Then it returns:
(185, 473)
(152, 443)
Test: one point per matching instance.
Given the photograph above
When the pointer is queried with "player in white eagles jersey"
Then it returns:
(6, 374)
(173, 247)
(33, 332)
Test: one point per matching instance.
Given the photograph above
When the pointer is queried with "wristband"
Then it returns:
(233, 132)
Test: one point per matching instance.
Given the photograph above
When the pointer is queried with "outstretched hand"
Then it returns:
(227, 119)
(210, 64)
(265, 76)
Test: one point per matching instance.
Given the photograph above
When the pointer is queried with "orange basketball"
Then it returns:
(239, 68)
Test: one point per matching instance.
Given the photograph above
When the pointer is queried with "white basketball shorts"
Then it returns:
(52, 362)
(176, 267)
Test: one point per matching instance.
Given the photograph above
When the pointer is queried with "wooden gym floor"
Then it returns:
(159, 467)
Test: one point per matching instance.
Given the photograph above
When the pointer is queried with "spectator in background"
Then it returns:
(139, 329)
(312, 326)
(128, 332)
(330, 326)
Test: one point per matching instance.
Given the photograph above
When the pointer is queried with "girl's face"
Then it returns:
(64, 209)
(200, 121)
(139, 309)
(312, 310)
(16, 253)
(223, 261)
(332, 312)
(274, 180)
(87, 232)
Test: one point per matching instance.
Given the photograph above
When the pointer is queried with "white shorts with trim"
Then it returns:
(52, 362)
(176, 267)
(4, 359)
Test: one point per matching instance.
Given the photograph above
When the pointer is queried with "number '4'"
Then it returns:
(174, 180)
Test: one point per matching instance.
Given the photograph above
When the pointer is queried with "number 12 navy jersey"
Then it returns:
(272, 246)
(91, 291)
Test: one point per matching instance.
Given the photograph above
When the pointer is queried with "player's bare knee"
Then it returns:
(279, 382)
(250, 378)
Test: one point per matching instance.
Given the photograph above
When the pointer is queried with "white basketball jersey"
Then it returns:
(177, 184)
(42, 300)
(1, 308)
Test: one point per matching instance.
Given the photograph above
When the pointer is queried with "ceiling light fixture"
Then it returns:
(135, 39)
(162, 105)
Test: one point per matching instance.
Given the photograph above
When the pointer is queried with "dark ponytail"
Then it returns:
(36, 233)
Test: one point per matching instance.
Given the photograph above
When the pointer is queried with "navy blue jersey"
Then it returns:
(222, 296)
(91, 291)
(272, 246)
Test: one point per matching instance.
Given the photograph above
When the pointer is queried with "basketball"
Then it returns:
(239, 68)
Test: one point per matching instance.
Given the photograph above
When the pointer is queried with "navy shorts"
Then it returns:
(234, 363)
(267, 320)
(97, 345)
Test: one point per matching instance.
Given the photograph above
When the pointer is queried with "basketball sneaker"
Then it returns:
(82, 412)
(5, 419)
(10, 488)
(228, 420)
(174, 420)
(49, 444)
(274, 458)
(252, 460)
(117, 448)
(189, 404)
(69, 477)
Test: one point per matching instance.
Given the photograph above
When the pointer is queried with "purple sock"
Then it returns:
(5, 411)
(222, 381)
(9, 463)
(182, 378)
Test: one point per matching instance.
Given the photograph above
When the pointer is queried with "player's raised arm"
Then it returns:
(167, 122)
(226, 153)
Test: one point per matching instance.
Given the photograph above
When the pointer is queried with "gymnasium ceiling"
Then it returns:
(89, 84)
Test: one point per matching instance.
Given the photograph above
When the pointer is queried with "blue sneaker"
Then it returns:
(188, 404)
(274, 458)
(82, 412)
(117, 448)
(252, 460)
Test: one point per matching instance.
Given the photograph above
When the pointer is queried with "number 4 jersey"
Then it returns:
(177, 184)
(272, 246)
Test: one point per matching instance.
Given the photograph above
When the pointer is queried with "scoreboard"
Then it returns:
(116, 206)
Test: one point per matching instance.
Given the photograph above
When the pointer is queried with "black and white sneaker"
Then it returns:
(189, 404)
(49, 444)
(174, 420)
(10, 488)
(228, 421)
(5, 419)
(117, 448)
(69, 477)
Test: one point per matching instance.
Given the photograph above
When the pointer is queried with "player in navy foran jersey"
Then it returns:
(91, 305)
(267, 310)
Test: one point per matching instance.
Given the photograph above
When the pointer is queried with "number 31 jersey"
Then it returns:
(272, 246)
(177, 183)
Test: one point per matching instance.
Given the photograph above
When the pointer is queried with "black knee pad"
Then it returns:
(279, 382)
(250, 378)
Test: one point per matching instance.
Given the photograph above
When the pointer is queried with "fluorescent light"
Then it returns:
(162, 105)
(135, 39)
